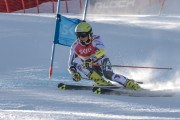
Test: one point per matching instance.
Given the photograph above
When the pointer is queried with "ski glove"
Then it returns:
(72, 70)
(76, 76)
(88, 63)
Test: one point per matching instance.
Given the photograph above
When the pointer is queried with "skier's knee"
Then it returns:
(108, 74)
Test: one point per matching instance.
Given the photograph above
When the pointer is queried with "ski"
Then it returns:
(117, 90)
(63, 86)
(99, 90)
(139, 93)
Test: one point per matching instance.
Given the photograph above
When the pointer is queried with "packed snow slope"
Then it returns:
(25, 50)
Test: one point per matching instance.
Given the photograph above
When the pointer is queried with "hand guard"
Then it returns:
(76, 76)
(88, 63)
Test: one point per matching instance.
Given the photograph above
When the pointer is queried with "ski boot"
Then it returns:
(98, 79)
(132, 85)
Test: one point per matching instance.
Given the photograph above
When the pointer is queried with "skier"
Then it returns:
(88, 50)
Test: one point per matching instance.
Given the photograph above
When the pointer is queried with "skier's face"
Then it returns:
(82, 36)
(83, 39)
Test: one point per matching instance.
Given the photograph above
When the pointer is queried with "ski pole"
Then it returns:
(145, 67)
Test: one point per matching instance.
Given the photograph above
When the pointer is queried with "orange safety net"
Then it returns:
(15, 5)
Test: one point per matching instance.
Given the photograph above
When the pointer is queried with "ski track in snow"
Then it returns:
(37, 99)
(33, 103)
(66, 115)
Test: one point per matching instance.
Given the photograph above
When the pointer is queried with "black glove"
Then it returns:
(72, 70)
(88, 63)
(76, 76)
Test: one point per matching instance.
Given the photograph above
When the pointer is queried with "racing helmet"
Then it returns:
(82, 30)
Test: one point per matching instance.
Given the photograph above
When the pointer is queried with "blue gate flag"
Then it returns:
(65, 30)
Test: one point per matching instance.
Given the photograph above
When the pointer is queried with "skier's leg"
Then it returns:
(109, 74)
(91, 73)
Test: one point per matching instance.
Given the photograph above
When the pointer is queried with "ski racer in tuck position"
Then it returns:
(87, 50)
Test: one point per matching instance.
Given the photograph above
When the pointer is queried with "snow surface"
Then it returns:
(25, 50)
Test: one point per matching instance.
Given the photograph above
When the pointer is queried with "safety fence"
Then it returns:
(38, 6)
(105, 7)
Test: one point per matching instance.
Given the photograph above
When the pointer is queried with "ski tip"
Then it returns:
(61, 86)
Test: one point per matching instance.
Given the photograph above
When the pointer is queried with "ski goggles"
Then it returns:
(82, 34)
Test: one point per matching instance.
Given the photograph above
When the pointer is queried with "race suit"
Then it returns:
(80, 53)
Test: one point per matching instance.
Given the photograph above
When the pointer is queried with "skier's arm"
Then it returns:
(100, 48)
(71, 67)
(76, 76)
(99, 53)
